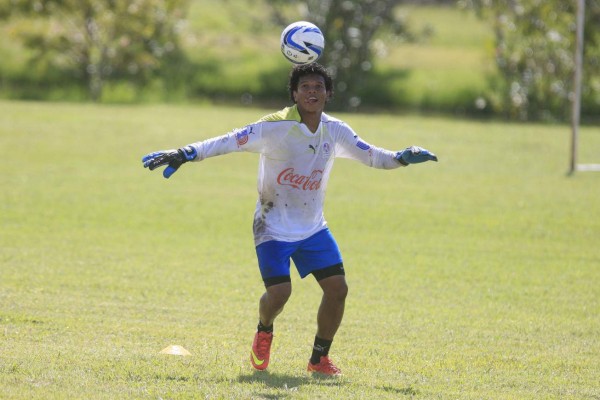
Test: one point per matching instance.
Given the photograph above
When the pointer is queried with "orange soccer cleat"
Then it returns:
(261, 350)
(325, 367)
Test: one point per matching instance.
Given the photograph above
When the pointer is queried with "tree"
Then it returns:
(535, 45)
(349, 27)
(97, 41)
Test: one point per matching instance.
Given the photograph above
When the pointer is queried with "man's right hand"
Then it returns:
(172, 158)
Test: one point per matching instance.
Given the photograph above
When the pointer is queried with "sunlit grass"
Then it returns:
(475, 277)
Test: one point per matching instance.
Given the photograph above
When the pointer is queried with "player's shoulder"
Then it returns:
(331, 120)
(290, 114)
(335, 124)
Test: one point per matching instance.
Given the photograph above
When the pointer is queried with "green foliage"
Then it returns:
(220, 61)
(535, 46)
(472, 278)
(427, 58)
(94, 42)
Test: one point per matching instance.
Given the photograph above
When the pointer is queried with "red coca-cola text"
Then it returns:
(288, 177)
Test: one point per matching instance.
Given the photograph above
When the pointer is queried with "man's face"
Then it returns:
(311, 94)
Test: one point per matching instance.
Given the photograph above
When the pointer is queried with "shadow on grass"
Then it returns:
(406, 391)
(291, 383)
(287, 382)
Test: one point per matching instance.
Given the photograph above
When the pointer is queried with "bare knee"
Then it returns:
(335, 287)
(341, 291)
(273, 301)
(278, 295)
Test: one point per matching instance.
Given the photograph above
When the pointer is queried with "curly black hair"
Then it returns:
(308, 69)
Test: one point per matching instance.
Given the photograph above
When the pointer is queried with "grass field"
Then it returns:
(473, 278)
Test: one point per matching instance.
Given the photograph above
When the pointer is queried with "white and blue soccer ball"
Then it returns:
(302, 42)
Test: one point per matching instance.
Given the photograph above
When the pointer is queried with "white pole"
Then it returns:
(576, 113)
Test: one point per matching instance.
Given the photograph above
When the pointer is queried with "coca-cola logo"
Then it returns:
(289, 177)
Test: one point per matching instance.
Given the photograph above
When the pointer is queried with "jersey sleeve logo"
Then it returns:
(241, 136)
(362, 145)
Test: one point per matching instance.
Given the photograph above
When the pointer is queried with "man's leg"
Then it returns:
(329, 318)
(270, 306)
(272, 302)
(320, 256)
(331, 310)
(274, 264)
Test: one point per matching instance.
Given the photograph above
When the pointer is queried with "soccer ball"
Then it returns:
(302, 42)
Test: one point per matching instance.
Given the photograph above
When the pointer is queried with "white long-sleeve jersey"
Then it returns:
(294, 168)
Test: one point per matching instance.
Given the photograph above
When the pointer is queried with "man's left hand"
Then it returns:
(414, 155)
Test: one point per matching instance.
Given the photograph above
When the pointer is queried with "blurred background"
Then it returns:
(510, 59)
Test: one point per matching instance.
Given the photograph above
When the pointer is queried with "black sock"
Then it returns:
(320, 349)
(262, 328)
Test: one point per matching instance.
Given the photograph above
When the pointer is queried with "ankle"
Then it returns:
(320, 349)
(264, 328)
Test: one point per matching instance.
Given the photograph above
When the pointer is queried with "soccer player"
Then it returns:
(297, 147)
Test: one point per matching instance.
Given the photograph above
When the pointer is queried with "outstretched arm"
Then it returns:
(349, 145)
(245, 139)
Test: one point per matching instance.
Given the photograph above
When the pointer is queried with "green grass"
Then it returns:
(476, 277)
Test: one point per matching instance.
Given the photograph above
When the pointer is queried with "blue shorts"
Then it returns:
(316, 252)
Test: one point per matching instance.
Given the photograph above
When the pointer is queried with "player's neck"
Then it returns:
(311, 120)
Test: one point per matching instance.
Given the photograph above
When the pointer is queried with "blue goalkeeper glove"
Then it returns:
(171, 158)
(414, 155)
